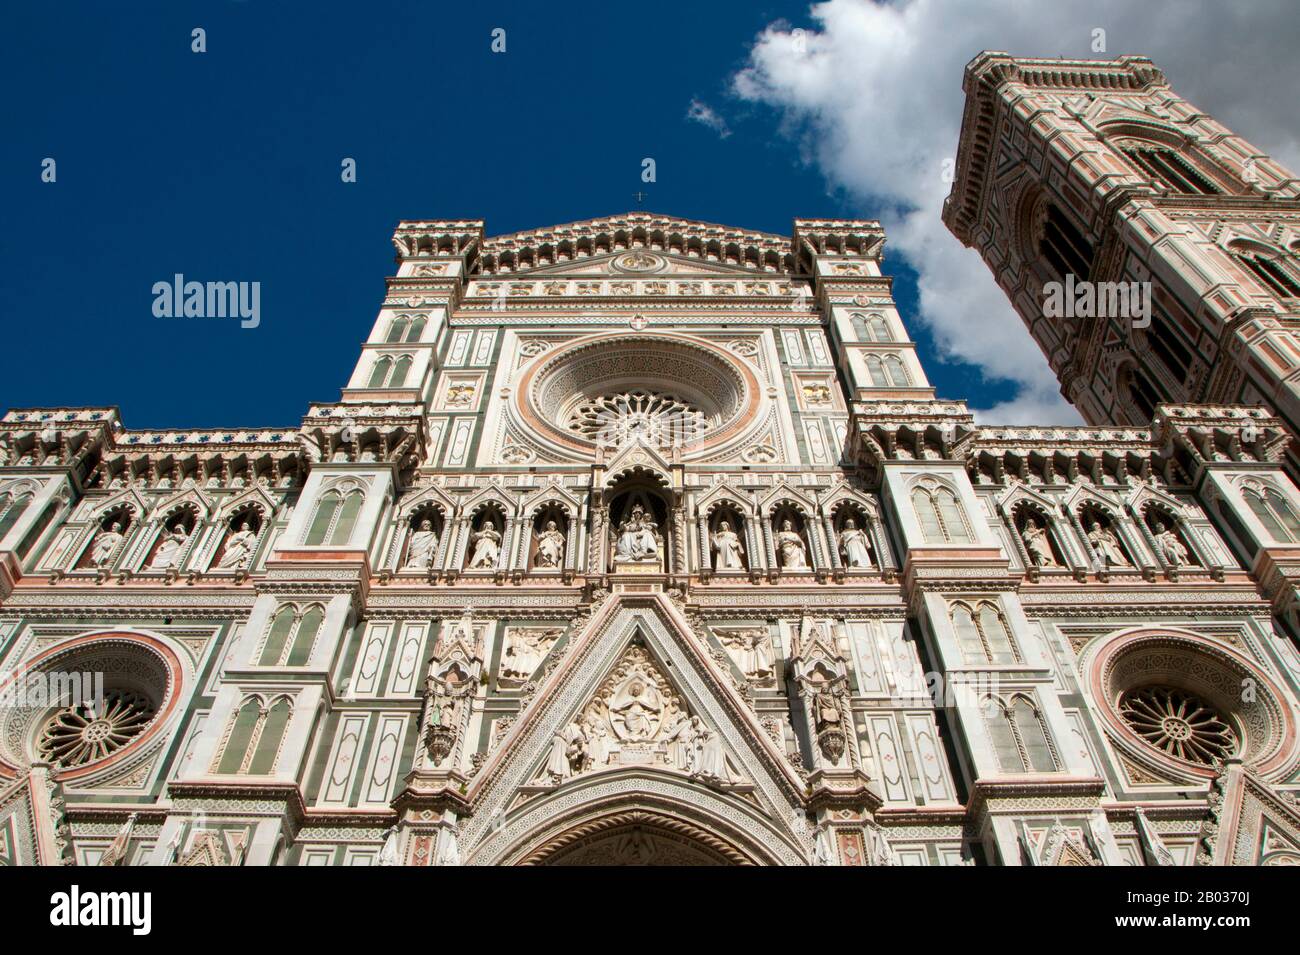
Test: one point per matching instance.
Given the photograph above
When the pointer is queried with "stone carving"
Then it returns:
(168, 555)
(424, 542)
(525, 649)
(1106, 544)
(636, 718)
(728, 548)
(106, 544)
(855, 548)
(460, 395)
(239, 549)
(790, 547)
(388, 854)
(1169, 545)
(550, 548)
(1038, 544)
(487, 547)
(828, 723)
(637, 540)
(115, 854)
(752, 651)
(816, 394)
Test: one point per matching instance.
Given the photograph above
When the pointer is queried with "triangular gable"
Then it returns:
(628, 633)
(1256, 825)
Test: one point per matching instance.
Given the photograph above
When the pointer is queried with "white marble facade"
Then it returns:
(642, 540)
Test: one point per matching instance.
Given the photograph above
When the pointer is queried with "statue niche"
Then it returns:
(727, 541)
(853, 541)
(1171, 545)
(425, 533)
(638, 522)
(241, 539)
(169, 549)
(1035, 532)
(484, 551)
(108, 540)
(1104, 539)
(550, 540)
(790, 539)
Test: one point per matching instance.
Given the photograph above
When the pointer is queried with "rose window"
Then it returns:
(82, 733)
(659, 419)
(1178, 723)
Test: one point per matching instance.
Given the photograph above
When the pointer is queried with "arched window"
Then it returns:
(246, 722)
(11, 508)
(417, 329)
(1018, 735)
(268, 743)
(256, 733)
(1272, 509)
(1270, 271)
(1168, 346)
(1065, 248)
(871, 328)
(291, 636)
(397, 330)
(400, 370)
(335, 518)
(940, 515)
(1028, 725)
(305, 637)
(277, 637)
(1169, 168)
(1142, 393)
(876, 369)
(379, 373)
(982, 634)
(897, 373)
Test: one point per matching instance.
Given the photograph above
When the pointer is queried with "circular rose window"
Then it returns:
(91, 702)
(1181, 703)
(664, 390)
(85, 732)
(1178, 723)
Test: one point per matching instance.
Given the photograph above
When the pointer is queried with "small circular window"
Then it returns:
(85, 732)
(1178, 723)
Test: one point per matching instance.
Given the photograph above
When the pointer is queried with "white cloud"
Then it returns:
(701, 112)
(874, 96)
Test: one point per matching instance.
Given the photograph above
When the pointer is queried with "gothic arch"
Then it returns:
(693, 821)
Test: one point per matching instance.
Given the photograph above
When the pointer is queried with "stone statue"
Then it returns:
(826, 710)
(1169, 546)
(791, 548)
(1038, 544)
(423, 544)
(550, 547)
(448, 847)
(854, 546)
(568, 752)
(1106, 544)
(522, 656)
(636, 537)
(239, 548)
(752, 651)
(106, 543)
(636, 710)
(728, 548)
(487, 547)
(598, 747)
(712, 758)
(168, 555)
(388, 855)
(681, 743)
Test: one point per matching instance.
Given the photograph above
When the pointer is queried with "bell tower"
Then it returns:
(1173, 242)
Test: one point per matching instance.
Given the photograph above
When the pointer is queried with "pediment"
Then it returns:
(634, 696)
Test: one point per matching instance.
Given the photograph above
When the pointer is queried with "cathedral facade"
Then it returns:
(645, 540)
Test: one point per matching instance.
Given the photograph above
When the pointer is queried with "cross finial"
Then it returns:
(639, 197)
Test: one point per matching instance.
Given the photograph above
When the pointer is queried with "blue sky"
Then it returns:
(225, 166)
